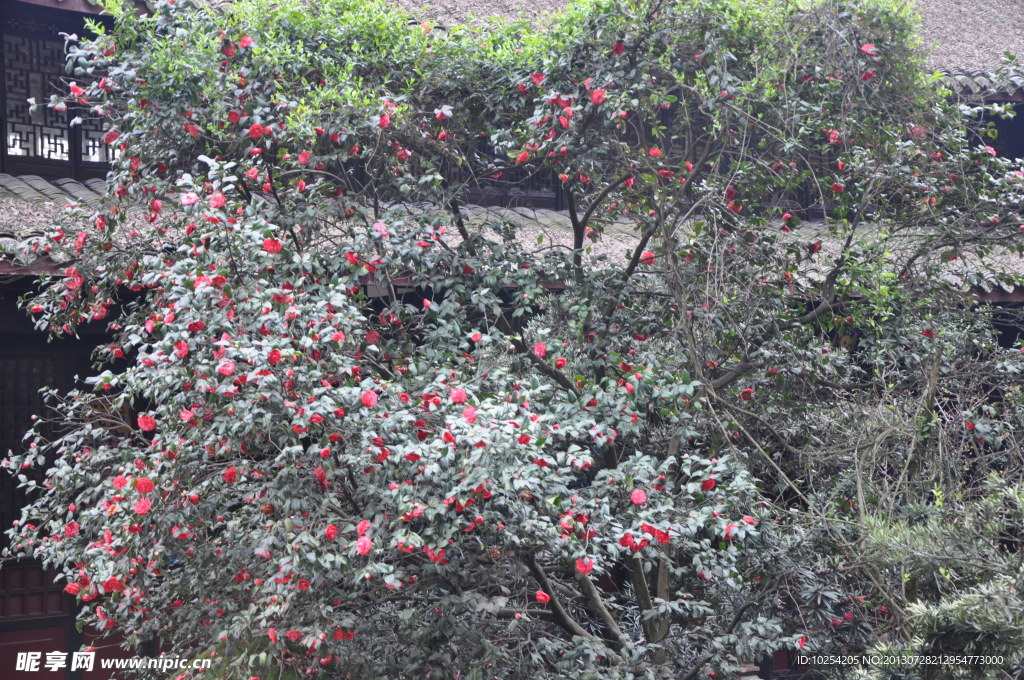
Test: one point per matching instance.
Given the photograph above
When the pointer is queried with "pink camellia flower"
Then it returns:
(990, 151)
(458, 396)
(542, 597)
(639, 497)
(384, 121)
(540, 350)
(218, 201)
(598, 97)
(730, 531)
(272, 634)
(294, 635)
(330, 532)
(654, 153)
(363, 527)
(469, 414)
(226, 368)
(537, 79)
(584, 566)
(142, 506)
(147, 423)
(191, 198)
(231, 475)
(72, 589)
(144, 485)
(181, 349)
(747, 519)
(364, 545)
(274, 356)
(120, 482)
(272, 245)
(648, 257)
(245, 42)
(868, 50)
(256, 131)
(71, 529)
(369, 399)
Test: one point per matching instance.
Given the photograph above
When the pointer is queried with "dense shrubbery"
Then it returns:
(379, 435)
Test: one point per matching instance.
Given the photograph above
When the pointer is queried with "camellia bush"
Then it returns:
(740, 404)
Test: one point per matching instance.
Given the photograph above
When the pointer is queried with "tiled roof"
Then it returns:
(971, 34)
(970, 82)
(35, 189)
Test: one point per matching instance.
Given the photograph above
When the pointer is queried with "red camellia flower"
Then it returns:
(597, 97)
(523, 157)
(245, 42)
(144, 485)
(837, 188)
(867, 75)
(147, 423)
(272, 634)
(111, 136)
(584, 566)
(256, 131)
(746, 394)
(970, 426)
(294, 635)
(648, 257)
(385, 120)
(369, 399)
(537, 79)
(330, 532)
(639, 497)
(231, 475)
(142, 506)
(730, 531)
(272, 245)
(218, 201)
(542, 597)
(226, 368)
(72, 589)
(618, 47)
(868, 50)
(71, 529)
(928, 333)
(540, 350)
(274, 356)
(747, 519)
(560, 362)
(708, 484)
(654, 153)
(458, 396)
(364, 545)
